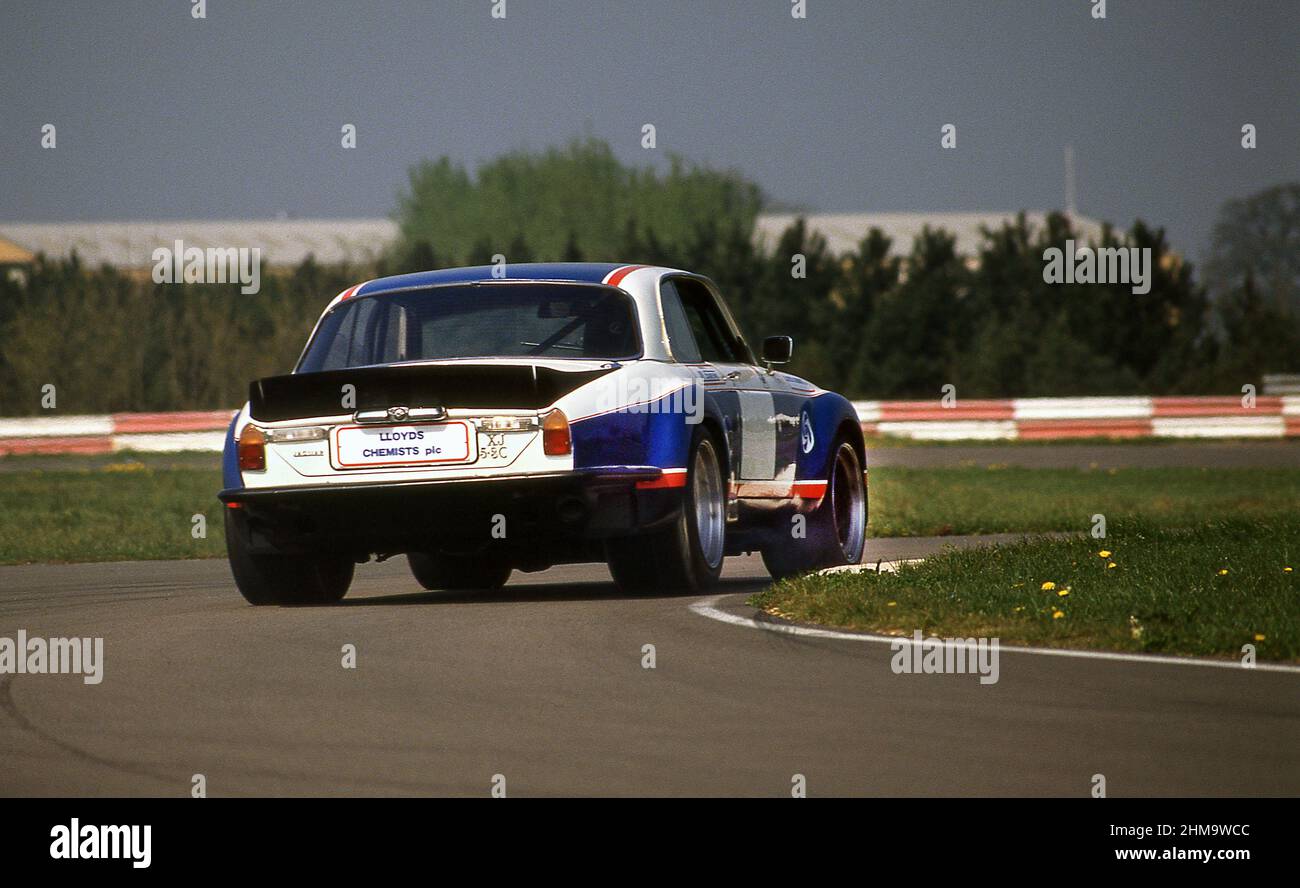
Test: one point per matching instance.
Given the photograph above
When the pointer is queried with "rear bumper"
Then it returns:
(544, 518)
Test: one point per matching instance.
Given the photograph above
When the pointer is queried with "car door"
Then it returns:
(746, 393)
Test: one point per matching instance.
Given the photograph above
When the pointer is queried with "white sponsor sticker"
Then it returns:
(361, 447)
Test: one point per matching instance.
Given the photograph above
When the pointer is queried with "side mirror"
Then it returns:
(777, 350)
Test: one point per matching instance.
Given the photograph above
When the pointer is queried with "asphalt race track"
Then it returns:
(543, 683)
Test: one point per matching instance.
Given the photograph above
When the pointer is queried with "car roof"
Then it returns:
(569, 272)
(640, 282)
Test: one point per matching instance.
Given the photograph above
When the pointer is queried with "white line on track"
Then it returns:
(708, 607)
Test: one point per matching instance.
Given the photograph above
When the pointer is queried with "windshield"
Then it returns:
(476, 321)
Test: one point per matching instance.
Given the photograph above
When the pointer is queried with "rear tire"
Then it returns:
(287, 580)
(687, 555)
(836, 529)
(439, 571)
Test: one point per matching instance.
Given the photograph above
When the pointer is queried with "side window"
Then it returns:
(346, 329)
(336, 329)
(363, 319)
(396, 336)
(711, 331)
(681, 340)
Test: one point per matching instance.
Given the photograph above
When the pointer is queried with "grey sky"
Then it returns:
(238, 116)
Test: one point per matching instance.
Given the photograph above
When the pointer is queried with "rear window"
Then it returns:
(484, 320)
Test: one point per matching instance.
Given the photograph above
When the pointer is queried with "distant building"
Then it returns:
(130, 245)
(843, 231)
(12, 254)
(14, 260)
(287, 242)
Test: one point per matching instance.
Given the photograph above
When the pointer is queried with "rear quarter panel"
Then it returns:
(826, 415)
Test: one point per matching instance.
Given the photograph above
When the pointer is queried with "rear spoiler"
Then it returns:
(489, 386)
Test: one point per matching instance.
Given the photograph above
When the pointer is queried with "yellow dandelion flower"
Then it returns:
(124, 467)
(1259, 636)
(1223, 572)
(1048, 586)
(1056, 615)
(1064, 592)
(1286, 570)
(1104, 553)
(1110, 565)
(892, 604)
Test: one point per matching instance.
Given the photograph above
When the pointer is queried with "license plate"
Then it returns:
(364, 447)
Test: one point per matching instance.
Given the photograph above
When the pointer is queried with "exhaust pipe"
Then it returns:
(571, 509)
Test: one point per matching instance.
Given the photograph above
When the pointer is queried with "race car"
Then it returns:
(514, 417)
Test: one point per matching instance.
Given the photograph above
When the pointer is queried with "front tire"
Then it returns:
(287, 580)
(439, 571)
(687, 555)
(837, 529)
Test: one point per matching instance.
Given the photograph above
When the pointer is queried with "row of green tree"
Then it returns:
(883, 324)
(891, 320)
(884, 321)
(108, 342)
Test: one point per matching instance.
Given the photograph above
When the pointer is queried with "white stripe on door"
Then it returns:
(758, 436)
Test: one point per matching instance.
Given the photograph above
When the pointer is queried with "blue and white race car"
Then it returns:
(501, 418)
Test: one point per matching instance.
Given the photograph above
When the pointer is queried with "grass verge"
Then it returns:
(1205, 590)
(117, 512)
(129, 507)
(938, 502)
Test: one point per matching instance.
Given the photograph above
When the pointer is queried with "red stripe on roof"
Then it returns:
(616, 276)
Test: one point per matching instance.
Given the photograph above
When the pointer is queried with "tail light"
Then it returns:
(555, 434)
(252, 449)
